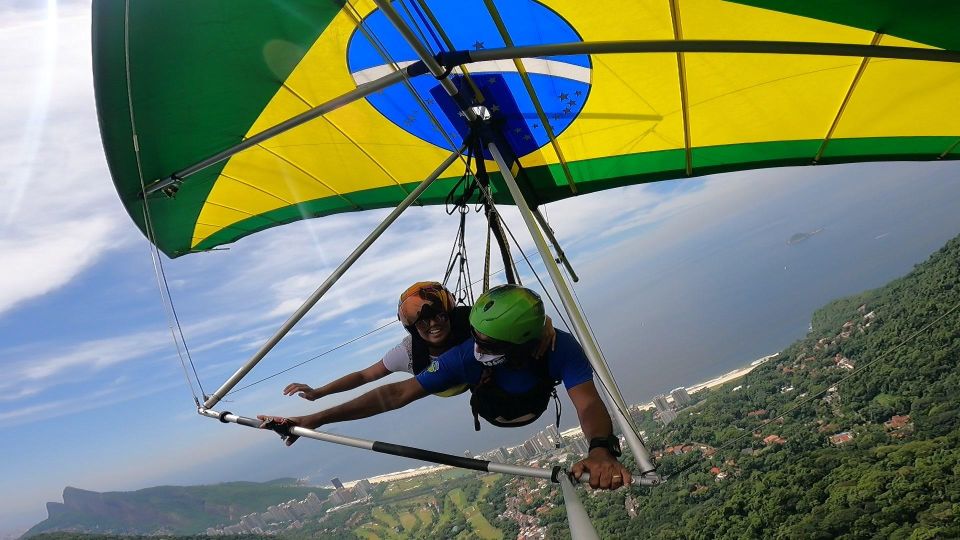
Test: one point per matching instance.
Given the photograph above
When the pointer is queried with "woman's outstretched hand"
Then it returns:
(305, 391)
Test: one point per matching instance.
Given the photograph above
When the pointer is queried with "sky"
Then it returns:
(681, 280)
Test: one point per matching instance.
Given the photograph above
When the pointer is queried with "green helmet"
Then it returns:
(508, 313)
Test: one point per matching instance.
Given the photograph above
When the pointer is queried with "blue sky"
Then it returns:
(93, 394)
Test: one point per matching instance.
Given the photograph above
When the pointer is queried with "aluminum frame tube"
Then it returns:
(545, 227)
(716, 46)
(336, 275)
(320, 110)
(409, 452)
(438, 71)
(580, 328)
(228, 417)
(581, 528)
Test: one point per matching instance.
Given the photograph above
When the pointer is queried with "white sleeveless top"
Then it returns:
(400, 358)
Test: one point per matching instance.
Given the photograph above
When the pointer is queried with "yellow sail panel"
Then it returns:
(348, 150)
(770, 99)
(633, 106)
(903, 97)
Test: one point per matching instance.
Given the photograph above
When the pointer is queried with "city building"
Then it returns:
(554, 435)
(660, 402)
(361, 489)
(545, 443)
(337, 484)
(521, 453)
(668, 416)
(680, 397)
(578, 445)
(530, 449)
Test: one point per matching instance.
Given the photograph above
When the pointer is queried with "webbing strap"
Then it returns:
(486, 264)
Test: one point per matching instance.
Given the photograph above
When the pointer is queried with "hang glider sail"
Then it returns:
(634, 92)
(223, 118)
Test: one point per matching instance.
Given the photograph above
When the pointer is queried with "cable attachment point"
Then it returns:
(172, 189)
(450, 60)
(555, 474)
(223, 417)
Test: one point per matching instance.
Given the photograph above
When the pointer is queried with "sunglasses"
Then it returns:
(492, 346)
(430, 313)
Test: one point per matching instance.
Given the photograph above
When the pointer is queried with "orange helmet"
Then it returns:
(420, 294)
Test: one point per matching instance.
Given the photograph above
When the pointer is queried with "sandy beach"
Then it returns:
(400, 475)
(714, 382)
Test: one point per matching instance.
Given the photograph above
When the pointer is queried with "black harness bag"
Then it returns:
(504, 409)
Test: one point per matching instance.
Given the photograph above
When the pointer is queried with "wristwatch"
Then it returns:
(610, 442)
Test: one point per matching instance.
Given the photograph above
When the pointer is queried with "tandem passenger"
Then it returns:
(510, 385)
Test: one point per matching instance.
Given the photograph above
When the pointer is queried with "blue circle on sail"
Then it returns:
(421, 106)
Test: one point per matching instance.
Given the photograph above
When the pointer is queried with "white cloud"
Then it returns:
(92, 399)
(45, 258)
(88, 356)
(58, 214)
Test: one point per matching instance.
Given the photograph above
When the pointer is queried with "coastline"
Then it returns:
(711, 383)
(399, 475)
(718, 380)
(731, 375)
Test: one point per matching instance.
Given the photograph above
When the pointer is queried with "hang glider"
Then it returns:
(586, 98)
(224, 118)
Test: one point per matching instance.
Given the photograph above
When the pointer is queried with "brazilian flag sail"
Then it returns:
(729, 85)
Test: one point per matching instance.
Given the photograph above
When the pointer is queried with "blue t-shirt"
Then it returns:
(458, 366)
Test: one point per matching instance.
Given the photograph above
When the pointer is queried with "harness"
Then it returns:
(505, 409)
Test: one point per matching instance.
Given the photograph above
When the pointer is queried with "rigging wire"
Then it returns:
(810, 398)
(364, 29)
(340, 346)
(486, 193)
(463, 290)
(576, 298)
(324, 353)
(414, 24)
(162, 283)
(167, 301)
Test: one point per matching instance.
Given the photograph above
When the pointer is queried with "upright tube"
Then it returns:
(315, 297)
(580, 328)
(426, 57)
(580, 526)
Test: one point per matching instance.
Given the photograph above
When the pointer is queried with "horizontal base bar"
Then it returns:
(418, 453)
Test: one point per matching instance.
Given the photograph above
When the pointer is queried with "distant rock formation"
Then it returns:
(801, 236)
(181, 510)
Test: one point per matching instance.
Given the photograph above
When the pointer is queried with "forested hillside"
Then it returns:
(852, 432)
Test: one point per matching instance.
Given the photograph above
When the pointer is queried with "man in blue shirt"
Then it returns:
(509, 386)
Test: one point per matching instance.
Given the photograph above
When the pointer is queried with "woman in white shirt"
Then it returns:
(435, 324)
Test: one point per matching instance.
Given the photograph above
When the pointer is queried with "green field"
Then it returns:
(412, 504)
(480, 525)
(380, 514)
(409, 521)
(426, 517)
